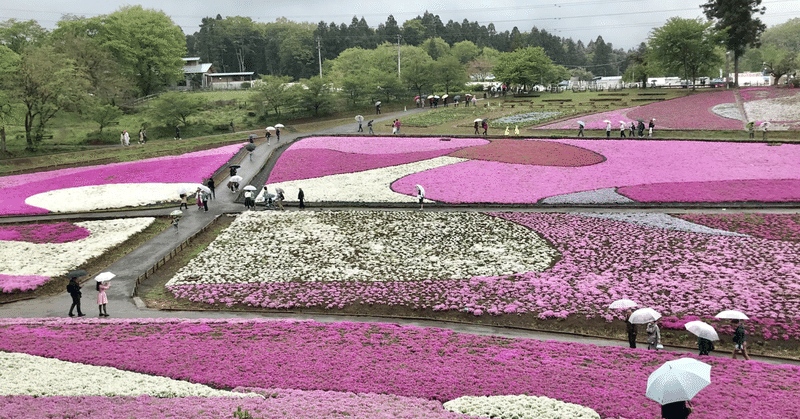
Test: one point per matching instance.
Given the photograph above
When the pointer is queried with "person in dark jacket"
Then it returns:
(74, 290)
(640, 129)
(675, 410)
(211, 186)
(630, 328)
(704, 345)
(301, 197)
(739, 340)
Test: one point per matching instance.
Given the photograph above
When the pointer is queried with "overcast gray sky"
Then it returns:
(624, 23)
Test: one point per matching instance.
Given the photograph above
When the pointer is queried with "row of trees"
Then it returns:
(86, 65)
(285, 48)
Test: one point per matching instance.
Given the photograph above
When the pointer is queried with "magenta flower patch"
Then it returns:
(43, 233)
(382, 359)
(537, 153)
(669, 114)
(12, 283)
(773, 190)
(767, 226)
(185, 168)
(321, 156)
(628, 162)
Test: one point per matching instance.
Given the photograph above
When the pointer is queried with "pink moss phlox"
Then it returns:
(12, 283)
(630, 162)
(385, 359)
(766, 226)
(758, 190)
(384, 145)
(170, 169)
(44, 233)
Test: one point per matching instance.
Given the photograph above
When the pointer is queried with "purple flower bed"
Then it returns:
(392, 360)
(12, 283)
(691, 112)
(43, 233)
(322, 156)
(676, 272)
(628, 162)
(186, 168)
(278, 403)
(767, 226)
(772, 190)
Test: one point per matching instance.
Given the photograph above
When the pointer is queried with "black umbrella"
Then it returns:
(77, 274)
(250, 147)
(235, 166)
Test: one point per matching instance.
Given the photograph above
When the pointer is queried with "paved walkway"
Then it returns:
(131, 266)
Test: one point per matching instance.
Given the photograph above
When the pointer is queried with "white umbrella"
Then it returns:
(236, 178)
(621, 122)
(445, 96)
(204, 188)
(377, 103)
(104, 276)
(702, 330)
(678, 380)
(176, 213)
(731, 314)
(186, 190)
(623, 303)
(581, 123)
(249, 188)
(420, 190)
(436, 97)
(478, 120)
(430, 96)
(278, 125)
(607, 121)
(270, 128)
(359, 118)
(644, 315)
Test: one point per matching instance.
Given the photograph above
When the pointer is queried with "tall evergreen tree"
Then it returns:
(742, 30)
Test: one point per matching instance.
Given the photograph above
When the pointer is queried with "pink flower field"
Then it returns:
(408, 371)
(171, 169)
(678, 273)
(691, 112)
(646, 171)
(322, 156)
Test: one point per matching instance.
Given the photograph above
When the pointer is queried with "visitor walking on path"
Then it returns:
(630, 328)
(205, 196)
(279, 198)
(301, 197)
(621, 129)
(739, 340)
(278, 134)
(211, 186)
(102, 298)
(485, 128)
(177, 132)
(704, 346)
(653, 335)
(633, 129)
(608, 129)
(650, 126)
(476, 128)
(199, 198)
(184, 204)
(369, 125)
(420, 195)
(74, 290)
(580, 129)
(675, 410)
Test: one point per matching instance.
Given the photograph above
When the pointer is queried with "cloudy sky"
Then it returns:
(624, 23)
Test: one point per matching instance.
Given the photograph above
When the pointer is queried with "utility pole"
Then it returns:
(319, 54)
(398, 55)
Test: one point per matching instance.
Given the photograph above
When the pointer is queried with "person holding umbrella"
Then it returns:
(653, 335)
(278, 132)
(377, 108)
(676, 382)
(608, 128)
(211, 187)
(632, 132)
(176, 216)
(420, 195)
(580, 129)
(640, 128)
(630, 329)
(184, 204)
(621, 129)
(267, 134)
(485, 126)
(651, 125)
(74, 290)
(739, 340)
(369, 125)
(279, 198)
(102, 298)
(477, 121)
(359, 119)
(199, 198)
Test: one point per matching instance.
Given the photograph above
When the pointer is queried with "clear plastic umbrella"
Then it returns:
(581, 123)
(176, 213)
(249, 188)
(270, 128)
(623, 304)
(644, 316)
(702, 330)
(278, 125)
(359, 118)
(104, 276)
(678, 380)
(236, 178)
(731, 314)
(203, 188)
